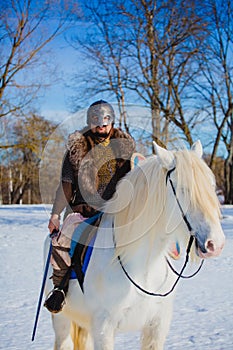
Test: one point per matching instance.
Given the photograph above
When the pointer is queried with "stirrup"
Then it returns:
(55, 300)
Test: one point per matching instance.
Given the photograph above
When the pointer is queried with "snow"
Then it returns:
(203, 309)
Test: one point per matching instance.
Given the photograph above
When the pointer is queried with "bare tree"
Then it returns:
(143, 49)
(21, 159)
(167, 36)
(100, 45)
(26, 29)
(215, 84)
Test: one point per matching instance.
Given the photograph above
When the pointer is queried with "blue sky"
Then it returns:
(54, 103)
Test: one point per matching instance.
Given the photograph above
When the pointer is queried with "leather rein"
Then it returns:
(191, 239)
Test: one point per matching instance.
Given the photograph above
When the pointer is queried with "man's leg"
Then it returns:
(61, 262)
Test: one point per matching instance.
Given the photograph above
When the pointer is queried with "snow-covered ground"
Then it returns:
(203, 310)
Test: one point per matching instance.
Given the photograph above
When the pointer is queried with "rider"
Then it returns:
(97, 157)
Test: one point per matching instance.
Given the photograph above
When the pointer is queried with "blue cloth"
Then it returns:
(73, 275)
(76, 238)
(79, 230)
(87, 258)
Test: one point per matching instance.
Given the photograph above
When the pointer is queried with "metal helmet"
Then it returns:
(100, 113)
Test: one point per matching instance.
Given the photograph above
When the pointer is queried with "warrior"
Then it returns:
(97, 157)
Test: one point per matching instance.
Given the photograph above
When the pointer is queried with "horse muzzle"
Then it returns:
(209, 249)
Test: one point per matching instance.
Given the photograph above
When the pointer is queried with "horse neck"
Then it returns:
(140, 229)
(148, 247)
(140, 223)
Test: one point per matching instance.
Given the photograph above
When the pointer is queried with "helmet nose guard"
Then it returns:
(100, 113)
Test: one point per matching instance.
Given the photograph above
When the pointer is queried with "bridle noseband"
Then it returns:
(191, 239)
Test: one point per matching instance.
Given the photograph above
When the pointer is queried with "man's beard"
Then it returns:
(101, 136)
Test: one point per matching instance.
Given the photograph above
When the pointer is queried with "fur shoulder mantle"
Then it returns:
(80, 142)
(77, 147)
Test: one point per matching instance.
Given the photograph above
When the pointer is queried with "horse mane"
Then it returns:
(139, 201)
(197, 180)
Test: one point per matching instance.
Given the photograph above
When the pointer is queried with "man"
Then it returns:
(96, 159)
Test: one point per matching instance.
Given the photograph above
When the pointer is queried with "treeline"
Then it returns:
(23, 179)
(31, 161)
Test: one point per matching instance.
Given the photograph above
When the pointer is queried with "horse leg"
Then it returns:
(155, 332)
(103, 333)
(61, 326)
(81, 338)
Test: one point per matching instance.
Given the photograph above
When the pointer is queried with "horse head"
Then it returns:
(192, 201)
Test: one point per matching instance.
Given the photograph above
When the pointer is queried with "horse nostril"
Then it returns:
(210, 246)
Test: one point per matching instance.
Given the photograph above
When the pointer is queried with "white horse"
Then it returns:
(169, 197)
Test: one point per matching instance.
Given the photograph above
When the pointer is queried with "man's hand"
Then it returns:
(54, 223)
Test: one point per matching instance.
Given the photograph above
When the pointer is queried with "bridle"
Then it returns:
(190, 229)
(191, 239)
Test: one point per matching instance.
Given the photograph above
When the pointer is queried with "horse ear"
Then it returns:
(197, 148)
(166, 157)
